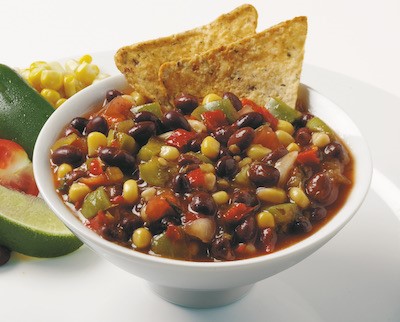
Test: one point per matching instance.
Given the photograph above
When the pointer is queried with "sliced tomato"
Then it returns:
(197, 178)
(180, 138)
(157, 208)
(214, 119)
(16, 170)
(309, 156)
(236, 212)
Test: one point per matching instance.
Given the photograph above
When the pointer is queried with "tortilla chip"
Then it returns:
(140, 62)
(258, 67)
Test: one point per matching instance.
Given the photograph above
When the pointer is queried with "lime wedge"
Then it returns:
(28, 226)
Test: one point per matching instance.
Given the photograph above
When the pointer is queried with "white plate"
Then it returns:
(355, 277)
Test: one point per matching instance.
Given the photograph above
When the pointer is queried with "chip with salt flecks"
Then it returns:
(267, 64)
(140, 62)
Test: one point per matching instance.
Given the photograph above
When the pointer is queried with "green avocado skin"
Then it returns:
(23, 111)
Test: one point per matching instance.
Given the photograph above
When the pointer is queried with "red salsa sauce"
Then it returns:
(208, 179)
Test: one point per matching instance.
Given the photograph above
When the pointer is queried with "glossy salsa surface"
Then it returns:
(209, 179)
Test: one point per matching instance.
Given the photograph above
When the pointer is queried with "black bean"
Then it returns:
(114, 190)
(180, 183)
(302, 121)
(223, 133)
(241, 139)
(226, 167)
(246, 197)
(275, 155)
(319, 187)
(317, 213)
(303, 136)
(79, 123)
(71, 130)
(334, 150)
(195, 144)
(111, 94)
(186, 103)
(237, 104)
(68, 154)
(5, 255)
(97, 124)
(203, 203)
(145, 116)
(186, 159)
(252, 119)
(173, 120)
(143, 131)
(266, 240)
(118, 158)
(246, 230)
(221, 249)
(301, 225)
(262, 174)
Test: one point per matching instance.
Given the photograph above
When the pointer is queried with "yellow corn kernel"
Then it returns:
(94, 141)
(245, 162)
(285, 126)
(39, 64)
(138, 98)
(78, 191)
(85, 58)
(257, 151)
(220, 197)
(210, 98)
(169, 153)
(69, 85)
(57, 67)
(70, 66)
(60, 102)
(197, 126)
(320, 139)
(284, 137)
(273, 195)
(34, 78)
(141, 238)
(242, 177)
(210, 147)
(50, 95)
(207, 168)
(299, 197)
(63, 170)
(210, 180)
(114, 174)
(130, 191)
(293, 147)
(265, 219)
(86, 73)
(51, 79)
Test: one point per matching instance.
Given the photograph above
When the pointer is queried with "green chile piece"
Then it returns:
(154, 108)
(282, 111)
(224, 105)
(150, 149)
(94, 202)
(284, 213)
(317, 125)
(165, 247)
(154, 173)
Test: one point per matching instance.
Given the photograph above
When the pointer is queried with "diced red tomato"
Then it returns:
(95, 181)
(174, 233)
(236, 212)
(16, 170)
(99, 221)
(268, 117)
(157, 208)
(118, 200)
(95, 167)
(197, 178)
(309, 156)
(214, 119)
(266, 137)
(117, 110)
(180, 138)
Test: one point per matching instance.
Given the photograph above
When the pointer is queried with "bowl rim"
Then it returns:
(45, 184)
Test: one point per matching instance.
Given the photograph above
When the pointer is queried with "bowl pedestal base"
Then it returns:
(200, 299)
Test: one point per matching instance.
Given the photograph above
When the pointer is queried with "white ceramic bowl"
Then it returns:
(197, 284)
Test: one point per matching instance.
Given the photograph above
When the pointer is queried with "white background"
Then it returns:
(359, 38)
(355, 277)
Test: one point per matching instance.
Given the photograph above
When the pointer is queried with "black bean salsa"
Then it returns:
(210, 179)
